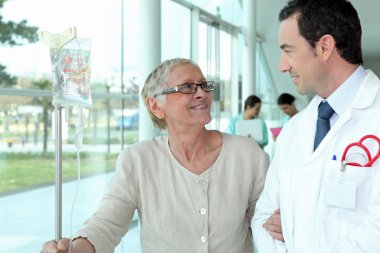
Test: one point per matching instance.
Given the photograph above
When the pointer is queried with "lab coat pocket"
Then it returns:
(344, 198)
(345, 194)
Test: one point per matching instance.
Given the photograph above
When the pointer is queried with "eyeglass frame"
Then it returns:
(178, 87)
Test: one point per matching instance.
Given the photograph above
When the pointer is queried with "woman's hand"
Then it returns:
(79, 245)
(273, 226)
(52, 247)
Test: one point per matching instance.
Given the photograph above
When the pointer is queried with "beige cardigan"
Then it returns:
(180, 211)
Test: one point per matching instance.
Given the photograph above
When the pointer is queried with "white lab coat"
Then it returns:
(297, 177)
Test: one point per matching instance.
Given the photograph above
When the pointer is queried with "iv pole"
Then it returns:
(58, 173)
(56, 42)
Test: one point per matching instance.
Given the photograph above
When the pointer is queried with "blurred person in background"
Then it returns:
(252, 107)
(286, 103)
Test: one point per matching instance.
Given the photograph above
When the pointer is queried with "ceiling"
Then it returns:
(267, 29)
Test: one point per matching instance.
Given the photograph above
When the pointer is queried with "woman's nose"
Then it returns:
(200, 93)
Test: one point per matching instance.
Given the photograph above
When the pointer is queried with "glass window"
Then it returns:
(228, 10)
(215, 59)
(27, 121)
(27, 118)
(176, 38)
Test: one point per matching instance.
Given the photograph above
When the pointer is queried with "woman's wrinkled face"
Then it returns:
(182, 111)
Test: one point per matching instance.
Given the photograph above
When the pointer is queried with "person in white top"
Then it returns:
(321, 200)
(194, 189)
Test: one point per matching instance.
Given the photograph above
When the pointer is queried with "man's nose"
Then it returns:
(284, 65)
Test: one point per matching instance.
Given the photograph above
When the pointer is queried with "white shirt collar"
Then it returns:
(341, 99)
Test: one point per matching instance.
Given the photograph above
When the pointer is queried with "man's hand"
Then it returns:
(273, 226)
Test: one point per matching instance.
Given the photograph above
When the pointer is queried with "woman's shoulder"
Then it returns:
(244, 149)
(238, 141)
(142, 155)
(146, 146)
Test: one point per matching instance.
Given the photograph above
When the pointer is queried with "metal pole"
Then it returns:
(108, 121)
(217, 75)
(122, 74)
(58, 173)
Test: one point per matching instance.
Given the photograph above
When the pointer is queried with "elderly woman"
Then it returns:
(194, 189)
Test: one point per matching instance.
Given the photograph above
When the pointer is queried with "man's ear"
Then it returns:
(153, 106)
(325, 46)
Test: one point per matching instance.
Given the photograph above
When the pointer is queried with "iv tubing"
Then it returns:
(78, 144)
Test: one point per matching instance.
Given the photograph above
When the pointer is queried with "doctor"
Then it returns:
(308, 204)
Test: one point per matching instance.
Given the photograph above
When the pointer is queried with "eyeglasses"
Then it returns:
(189, 88)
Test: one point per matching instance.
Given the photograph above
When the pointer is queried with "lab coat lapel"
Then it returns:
(342, 120)
(364, 99)
(307, 128)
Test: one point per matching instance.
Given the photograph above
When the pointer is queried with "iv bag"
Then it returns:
(70, 60)
(71, 73)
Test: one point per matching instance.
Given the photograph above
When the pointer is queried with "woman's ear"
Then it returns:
(326, 46)
(154, 107)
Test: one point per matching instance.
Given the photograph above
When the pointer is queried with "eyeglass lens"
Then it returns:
(193, 87)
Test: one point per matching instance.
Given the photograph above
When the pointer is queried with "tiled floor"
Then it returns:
(27, 219)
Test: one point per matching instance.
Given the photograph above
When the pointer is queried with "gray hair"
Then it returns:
(156, 83)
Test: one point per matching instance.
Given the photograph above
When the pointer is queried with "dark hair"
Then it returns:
(251, 101)
(335, 17)
(285, 99)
